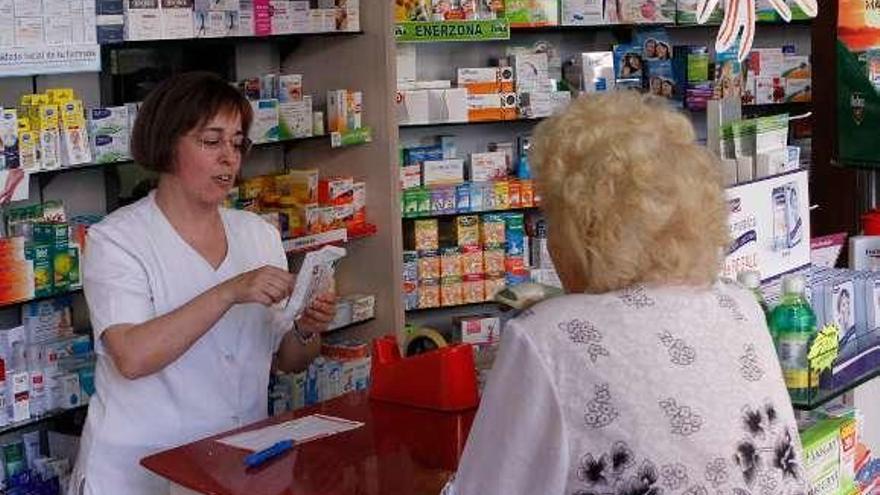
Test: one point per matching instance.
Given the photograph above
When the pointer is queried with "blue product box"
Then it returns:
(463, 198)
(421, 154)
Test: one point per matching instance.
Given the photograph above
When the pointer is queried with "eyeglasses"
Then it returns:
(214, 144)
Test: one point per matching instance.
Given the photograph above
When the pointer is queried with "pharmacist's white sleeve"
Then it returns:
(517, 444)
(280, 327)
(115, 284)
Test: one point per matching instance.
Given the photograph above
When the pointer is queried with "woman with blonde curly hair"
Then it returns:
(650, 376)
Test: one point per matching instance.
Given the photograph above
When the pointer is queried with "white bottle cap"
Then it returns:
(793, 284)
(750, 278)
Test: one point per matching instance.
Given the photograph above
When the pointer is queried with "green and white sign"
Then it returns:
(416, 32)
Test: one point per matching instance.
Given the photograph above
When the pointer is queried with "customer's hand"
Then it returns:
(266, 285)
(317, 317)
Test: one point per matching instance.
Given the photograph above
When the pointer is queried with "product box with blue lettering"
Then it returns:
(108, 131)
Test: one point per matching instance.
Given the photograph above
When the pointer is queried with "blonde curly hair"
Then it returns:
(628, 194)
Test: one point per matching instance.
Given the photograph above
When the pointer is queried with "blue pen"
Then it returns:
(258, 458)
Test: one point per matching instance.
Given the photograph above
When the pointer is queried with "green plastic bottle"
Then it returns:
(793, 326)
(752, 280)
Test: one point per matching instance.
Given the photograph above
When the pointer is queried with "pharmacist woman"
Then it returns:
(179, 291)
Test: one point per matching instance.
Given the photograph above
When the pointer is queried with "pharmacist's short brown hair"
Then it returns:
(627, 189)
(176, 106)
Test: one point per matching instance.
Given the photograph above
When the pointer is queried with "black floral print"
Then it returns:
(583, 332)
(697, 490)
(621, 458)
(750, 365)
(748, 459)
(785, 457)
(716, 471)
(674, 476)
(680, 353)
(636, 297)
(767, 482)
(592, 471)
(729, 303)
(684, 421)
(600, 411)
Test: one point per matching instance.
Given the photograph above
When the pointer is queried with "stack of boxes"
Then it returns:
(344, 111)
(478, 256)
(776, 75)
(354, 308)
(39, 248)
(134, 20)
(281, 109)
(45, 366)
(49, 23)
(829, 439)
(343, 367)
(300, 203)
(51, 132)
(434, 180)
(536, 92)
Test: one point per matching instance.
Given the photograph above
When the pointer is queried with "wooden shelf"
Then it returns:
(350, 325)
(457, 306)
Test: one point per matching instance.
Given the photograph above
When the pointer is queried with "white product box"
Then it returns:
(536, 105)
(177, 19)
(245, 18)
(352, 18)
(29, 31)
(406, 62)
(796, 67)
(531, 72)
(413, 107)
(581, 12)
(410, 176)
(771, 163)
(18, 385)
(592, 72)
(484, 102)
(71, 390)
(28, 8)
(328, 20)
(363, 306)
(767, 62)
(477, 75)
(354, 109)
(290, 87)
(295, 119)
(109, 132)
(560, 100)
(300, 16)
(442, 172)
(12, 348)
(447, 105)
(7, 23)
(480, 330)
(798, 90)
(264, 128)
(316, 21)
(745, 169)
(54, 8)
(282, 21)
(143, 20)
(793, 158)
(75, 148)
(50, 149)
(767, 89)
(488, 166)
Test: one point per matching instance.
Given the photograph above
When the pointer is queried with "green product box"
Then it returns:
(44, 276)
(821, 444)
(423, 198)
(410, 206)
(74, 277)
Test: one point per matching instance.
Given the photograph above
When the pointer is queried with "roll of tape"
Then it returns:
(424, 340)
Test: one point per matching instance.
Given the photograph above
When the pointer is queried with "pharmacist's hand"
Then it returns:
(317, 317)
(266, 285)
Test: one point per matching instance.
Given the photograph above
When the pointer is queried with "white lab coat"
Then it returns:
(136, 267)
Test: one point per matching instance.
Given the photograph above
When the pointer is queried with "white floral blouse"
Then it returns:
(647, 391)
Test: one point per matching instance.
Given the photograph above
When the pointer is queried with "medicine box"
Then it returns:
(265, 123)
(488, 166)
(581, 12)
(413, 107)
(447, 105)
(295, 119)
(442, 172)
(337, 110)
(177, 19)
(142, 20)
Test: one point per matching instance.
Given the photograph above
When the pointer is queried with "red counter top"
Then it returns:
(399, 450)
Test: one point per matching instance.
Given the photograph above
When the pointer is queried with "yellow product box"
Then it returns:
(300, 184)
(295, 214)
(49, 117)
(27, 150)
(72, 114)
(60, 96)
(502, 194)
(314, 219)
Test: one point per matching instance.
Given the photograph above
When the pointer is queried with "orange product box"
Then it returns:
(299, 184)
(484, 107)
(493, 285)
(345, 350)
(527, 193)
(509, 109)
(514, 194)
(429, 293)
(336, 191)
(429, 265)
(471, 260)
(473, 289)
(359, 204)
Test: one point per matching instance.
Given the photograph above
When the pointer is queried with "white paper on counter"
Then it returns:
(299, 430)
